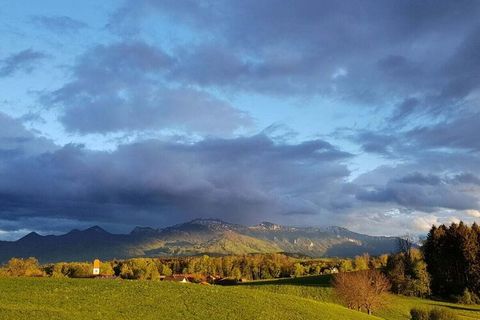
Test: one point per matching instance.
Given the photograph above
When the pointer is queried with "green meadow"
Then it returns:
(299, 298)
(47, 298)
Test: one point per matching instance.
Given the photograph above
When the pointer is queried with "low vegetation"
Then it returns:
(433, 314)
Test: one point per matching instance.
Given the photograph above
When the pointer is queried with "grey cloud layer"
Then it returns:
(122, 87)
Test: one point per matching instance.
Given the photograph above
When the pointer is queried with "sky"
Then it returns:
(362, 114)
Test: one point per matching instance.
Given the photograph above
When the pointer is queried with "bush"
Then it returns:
(434, 314)
(59, 270)
(442, 314)
(467, 297)
(419, 314)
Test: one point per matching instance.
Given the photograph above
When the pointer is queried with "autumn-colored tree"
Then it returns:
(362, 290)
(361, 262)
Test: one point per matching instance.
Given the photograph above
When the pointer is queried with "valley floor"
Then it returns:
(302, 298)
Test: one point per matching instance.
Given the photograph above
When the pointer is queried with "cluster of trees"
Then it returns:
(252, 266)
(141, 268)
(447, 265)
(407, 271)
(452, 255)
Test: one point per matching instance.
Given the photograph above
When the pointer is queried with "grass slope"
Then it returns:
(318, 288)
(45, 298)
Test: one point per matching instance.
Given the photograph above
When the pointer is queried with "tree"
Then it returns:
(106, 269)
(361, 262)
(346, 265)
(299, 270)
(361, 290)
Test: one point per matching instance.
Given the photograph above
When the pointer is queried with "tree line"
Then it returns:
(251, 267)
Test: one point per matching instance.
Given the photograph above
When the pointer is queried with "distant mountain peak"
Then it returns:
(31, 236)
(95, 229)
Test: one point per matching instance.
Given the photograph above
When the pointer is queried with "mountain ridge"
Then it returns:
(199, 236)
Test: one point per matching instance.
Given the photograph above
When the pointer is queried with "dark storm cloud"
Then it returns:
(405, 108)
(120, 87)
(434, 166)
(467, 178)
(153, 182)
(423, 191)
(463, 68)
(421, 179)
(59, 24)
(22, 61)
(420, 197)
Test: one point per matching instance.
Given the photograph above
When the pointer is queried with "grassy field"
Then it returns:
(396, 307)
(300, 298)
(46, 298)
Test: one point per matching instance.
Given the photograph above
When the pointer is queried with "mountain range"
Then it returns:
(200, 236)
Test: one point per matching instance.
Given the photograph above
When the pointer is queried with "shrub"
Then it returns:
(434, 314)
(79, 270)
(442, 314)
(59, 270)
(419, 314)
(468, 297)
